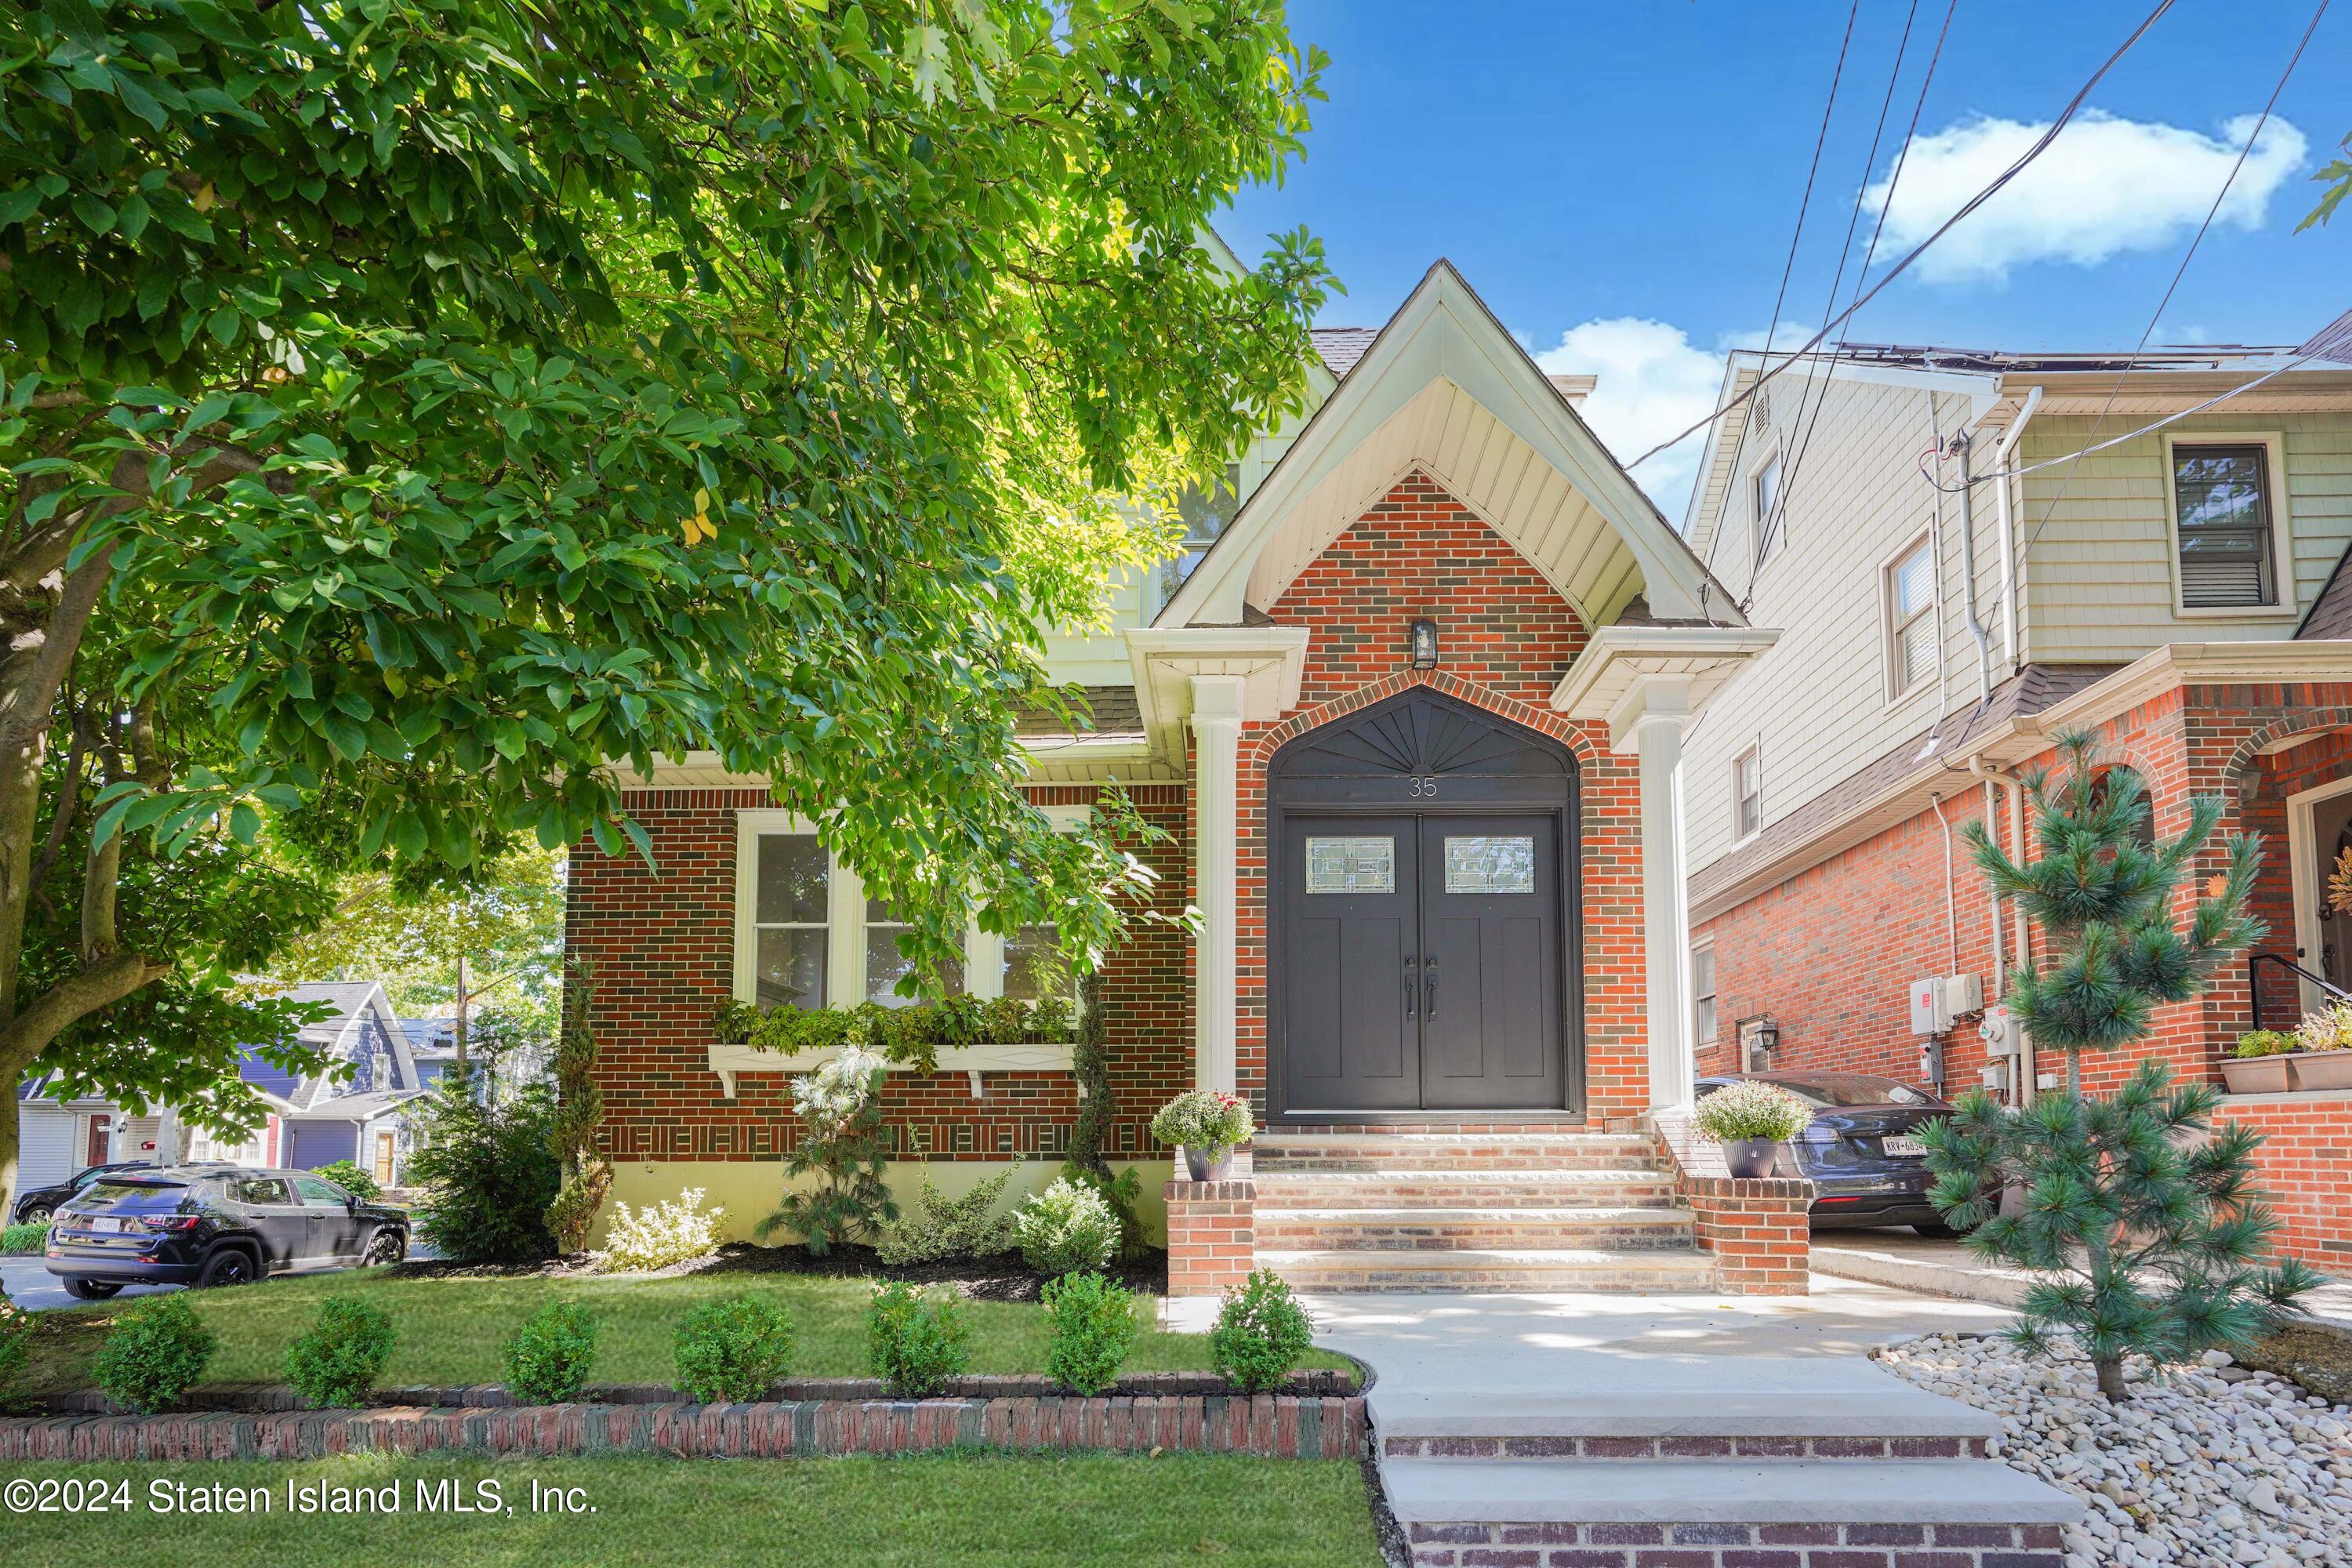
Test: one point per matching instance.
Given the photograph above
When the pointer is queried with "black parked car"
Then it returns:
(1861, 1150)
(35, 1206)
(212, 1224)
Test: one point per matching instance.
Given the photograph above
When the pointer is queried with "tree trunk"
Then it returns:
(2111, 1378)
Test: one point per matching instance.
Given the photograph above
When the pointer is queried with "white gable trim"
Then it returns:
(1444, 336)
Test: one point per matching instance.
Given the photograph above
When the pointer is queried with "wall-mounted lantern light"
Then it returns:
(1424, 644)
(1759, 1037)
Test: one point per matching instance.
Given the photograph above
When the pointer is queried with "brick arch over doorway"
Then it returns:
(1506, 637)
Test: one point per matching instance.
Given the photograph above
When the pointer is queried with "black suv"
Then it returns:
(203, 1225)
(35, 1206)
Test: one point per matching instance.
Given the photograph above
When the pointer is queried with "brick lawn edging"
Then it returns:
(265, 1398)
(1269, 1425)
(1756, 1227)
(1212, 1234)
(1737, 1546)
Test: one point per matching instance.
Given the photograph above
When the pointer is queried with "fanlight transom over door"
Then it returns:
(1423, 942)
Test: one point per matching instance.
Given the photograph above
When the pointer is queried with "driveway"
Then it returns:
(32, 1287)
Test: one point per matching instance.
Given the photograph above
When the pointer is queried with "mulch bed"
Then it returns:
(1003, 1277)
(2316, 1355)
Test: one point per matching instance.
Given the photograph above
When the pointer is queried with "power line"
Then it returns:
(2073, 459)
(2040, 146)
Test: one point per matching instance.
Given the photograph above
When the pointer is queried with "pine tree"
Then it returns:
(2143, 1224)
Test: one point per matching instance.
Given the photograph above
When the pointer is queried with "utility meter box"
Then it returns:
(1963, 994)
(1929, 1015)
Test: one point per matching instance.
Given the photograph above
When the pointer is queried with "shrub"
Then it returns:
(913, 1344)
(490, 1173)
(154, 1354)
(1751, 1109)
(1123, 1193)
(351, 1178)
(586, 1174)
(1094, 1326)
(1261, 1334)
(25, 1240)
(2329, 1029)
(843, 1143)
(16, 1349)
(1203, 1118)
(2266, 1043)
(337, 1360)
(1065, 1228)
(732, 1350)
(549, 1357)
(662, 1234)
(944, 1227)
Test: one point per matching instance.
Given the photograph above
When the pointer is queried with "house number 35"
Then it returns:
(1424, 786)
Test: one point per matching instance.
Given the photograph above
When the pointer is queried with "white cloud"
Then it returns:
(2104, 186)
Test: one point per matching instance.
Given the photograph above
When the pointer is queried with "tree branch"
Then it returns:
(70, 999)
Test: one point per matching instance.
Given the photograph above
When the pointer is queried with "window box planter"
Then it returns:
(2320, 1070)
(2255, 1075)
(731, 1061)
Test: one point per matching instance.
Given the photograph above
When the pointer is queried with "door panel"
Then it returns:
(1490, 897)
(1352, 918)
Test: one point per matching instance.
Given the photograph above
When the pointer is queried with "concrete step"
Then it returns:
(1825, 1422)
(1458, 1188)
(1683, 1492)
(1493, 1269)
(1430, 1229)
(1452, 1151)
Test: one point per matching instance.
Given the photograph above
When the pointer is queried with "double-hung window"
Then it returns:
(1764, 496)
(1206, 513)
(2224, 524)
(1910, 593)
(806, 935)
(1748, 792)
(1702, 963)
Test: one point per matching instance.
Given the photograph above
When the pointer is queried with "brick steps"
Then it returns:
(1454, 1189)
(1404, 1229)
(1284, 1151)
(1484, 1269)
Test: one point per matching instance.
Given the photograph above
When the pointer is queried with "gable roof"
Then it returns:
(1444, 388)
(1340, 347)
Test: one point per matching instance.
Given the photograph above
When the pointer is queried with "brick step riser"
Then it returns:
(1372, 1280)
(1987, 1544)
(1483, 1236)
(1281, 1194)
(1469, 1161)
(1502, 1450)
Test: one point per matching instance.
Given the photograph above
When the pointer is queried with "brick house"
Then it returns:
(2180, 593)
(1411, 707)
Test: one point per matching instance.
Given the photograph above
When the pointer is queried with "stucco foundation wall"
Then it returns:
(1506, 637)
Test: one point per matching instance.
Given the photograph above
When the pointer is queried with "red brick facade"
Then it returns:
(1506, 637)
(1211, 1236)
(1830, 953)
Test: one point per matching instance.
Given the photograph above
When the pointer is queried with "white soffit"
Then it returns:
(1446, 390)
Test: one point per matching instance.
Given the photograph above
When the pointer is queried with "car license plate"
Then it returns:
(1903, 1148)
(107, 1222)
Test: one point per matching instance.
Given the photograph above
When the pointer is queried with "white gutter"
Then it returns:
(2010, 564)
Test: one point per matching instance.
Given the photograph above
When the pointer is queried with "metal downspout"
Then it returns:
(2005, 512)
(1969, 572)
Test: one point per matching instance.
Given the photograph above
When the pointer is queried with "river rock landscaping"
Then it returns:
(2206, 1465)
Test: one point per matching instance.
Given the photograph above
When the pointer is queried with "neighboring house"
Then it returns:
(356, 1110)
(433, 1045)
(2181, 593)
(56, 1138)
(1439, 875)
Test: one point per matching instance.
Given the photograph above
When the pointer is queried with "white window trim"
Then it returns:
(1753, 749)
(1758, 556)
(2273, 443)
(844, 958)
(1888, 626)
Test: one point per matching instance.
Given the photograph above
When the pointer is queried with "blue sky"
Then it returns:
(1618, 182)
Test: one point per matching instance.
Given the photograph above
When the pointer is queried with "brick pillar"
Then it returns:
(1757, 1230)
(1212, 1234)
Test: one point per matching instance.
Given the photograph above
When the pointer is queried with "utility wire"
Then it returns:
(2040, 146)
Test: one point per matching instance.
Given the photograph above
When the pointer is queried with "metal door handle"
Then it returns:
(1409, 988)
(1429, 1005)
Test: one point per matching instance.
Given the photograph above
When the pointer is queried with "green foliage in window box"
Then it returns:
(2329, 1029)
(1049, 1020)
(547, 1361)
(734, 1349)
(911, 1036)
(334, 1362)
(2266, 1042)
(351, 1178)
(154, 1354)
(942, 1227)
(1094, 1326)
(914, 1343)
(1261, 1332)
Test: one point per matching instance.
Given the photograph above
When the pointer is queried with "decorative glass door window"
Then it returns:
(793, 881)
(1351, 865)
(1488, 863)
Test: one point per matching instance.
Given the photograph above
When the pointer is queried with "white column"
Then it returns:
(1648, 721)
(1216, 748)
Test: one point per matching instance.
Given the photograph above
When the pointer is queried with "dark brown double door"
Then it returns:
(1420, 962)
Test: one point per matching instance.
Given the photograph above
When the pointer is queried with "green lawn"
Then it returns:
(977, 1511)
(453, 1331)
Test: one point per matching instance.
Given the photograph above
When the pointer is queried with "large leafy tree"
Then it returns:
(421, 414)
